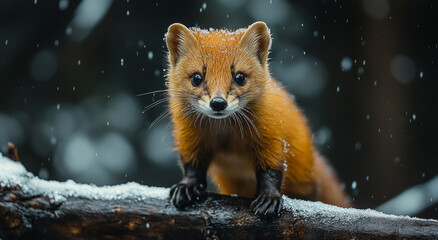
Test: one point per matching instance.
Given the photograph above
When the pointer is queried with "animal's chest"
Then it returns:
(227, 141)
(234, 173)
(232, 157)
(232, 161)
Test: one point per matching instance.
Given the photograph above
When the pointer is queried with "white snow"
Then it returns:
(13, 173)
(353, 185)
(346, 64)
(306, 209)
(226, 32)
(286, 145)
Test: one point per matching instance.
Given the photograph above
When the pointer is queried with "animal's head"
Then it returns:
(217, 72)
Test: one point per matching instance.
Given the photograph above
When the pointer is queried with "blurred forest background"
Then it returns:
(364, 72)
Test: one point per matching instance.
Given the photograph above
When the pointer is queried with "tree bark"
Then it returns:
(26, 215)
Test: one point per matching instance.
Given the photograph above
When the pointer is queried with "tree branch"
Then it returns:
(31, 208)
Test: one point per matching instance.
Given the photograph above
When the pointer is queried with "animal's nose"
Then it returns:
(218, 104)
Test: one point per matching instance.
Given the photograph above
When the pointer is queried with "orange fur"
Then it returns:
(273, 133)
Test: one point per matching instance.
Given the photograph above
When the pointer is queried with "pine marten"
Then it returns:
(234, 121)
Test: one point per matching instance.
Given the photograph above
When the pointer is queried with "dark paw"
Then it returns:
(183, 194)
(267, 205)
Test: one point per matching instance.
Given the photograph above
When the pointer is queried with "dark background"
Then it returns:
(364, 72)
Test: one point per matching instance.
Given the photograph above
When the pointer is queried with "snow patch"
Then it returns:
(13, 173)
(224, 31)
(306, 209)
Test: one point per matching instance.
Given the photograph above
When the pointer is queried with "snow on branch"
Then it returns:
(32, 208)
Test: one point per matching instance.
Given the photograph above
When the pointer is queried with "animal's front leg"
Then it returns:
(269, 201)
(191, 188)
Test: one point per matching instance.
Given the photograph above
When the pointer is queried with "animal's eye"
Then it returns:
(197, 79)
(240, 79)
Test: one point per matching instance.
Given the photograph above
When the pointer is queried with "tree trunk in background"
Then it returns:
(385, 105)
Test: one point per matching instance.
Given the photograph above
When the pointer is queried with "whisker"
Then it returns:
(239, 123)
(220, 125)
(198, 114)
(247, 110)
(181, 111)
(191, 110)
(264, 119)
(153, 92)
(158, 102)
(243, 94)
(167, 91)
(158, 119)
(200, 122)
(249, 128)
(148, 107)
(172, 116)
(167, 127)
(164, 114)
(229, 121)
(252, 124)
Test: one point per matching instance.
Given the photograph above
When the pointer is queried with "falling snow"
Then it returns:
(346, 64)
(68, 31)
(353, 185)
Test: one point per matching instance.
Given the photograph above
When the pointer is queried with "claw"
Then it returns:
(188, 194)
(183, 194)
(267, 205)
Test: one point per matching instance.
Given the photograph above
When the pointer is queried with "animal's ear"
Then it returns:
(257, 40)
(179, 41)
